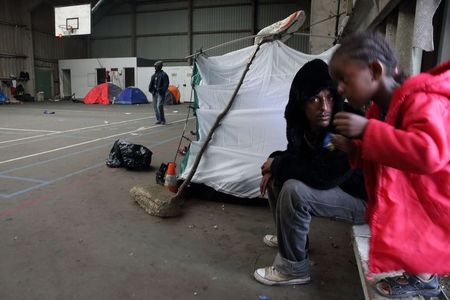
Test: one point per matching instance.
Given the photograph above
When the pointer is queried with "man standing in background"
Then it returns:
(158, 87)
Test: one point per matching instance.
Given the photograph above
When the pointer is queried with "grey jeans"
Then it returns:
(293, 207)
(158, 106)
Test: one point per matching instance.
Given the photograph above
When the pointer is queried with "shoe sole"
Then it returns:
(425, 293)
(295, 281)
(270, 243)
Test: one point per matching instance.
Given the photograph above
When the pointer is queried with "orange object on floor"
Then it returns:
(170, 182)
(175, 92)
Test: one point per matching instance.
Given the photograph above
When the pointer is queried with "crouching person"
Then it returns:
(309, 178)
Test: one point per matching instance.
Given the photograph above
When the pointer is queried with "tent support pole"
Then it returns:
(188, 113)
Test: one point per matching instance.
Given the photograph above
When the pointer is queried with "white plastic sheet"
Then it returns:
(255, 125)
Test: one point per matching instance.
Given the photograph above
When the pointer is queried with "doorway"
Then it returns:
(44, 82)
(101, 75)
(129, 77)
(66, 84)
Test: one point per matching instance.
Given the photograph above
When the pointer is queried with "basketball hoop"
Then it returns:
(73, 19)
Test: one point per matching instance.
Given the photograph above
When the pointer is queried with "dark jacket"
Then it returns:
(159, 83)
(314, 165)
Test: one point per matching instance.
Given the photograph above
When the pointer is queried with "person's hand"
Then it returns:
(342, 143)
(265, 168)
(264, 182)
(350, 125)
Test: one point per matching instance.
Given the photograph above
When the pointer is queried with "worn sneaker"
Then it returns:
(270, 276)
(271, 240)
(157, 122)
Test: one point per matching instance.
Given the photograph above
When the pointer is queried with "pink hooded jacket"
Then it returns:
(406, 163)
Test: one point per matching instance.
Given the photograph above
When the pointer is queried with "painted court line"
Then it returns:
(79, 129)
(23, 129)
(80, 144)
(116, 113)
(52, 159)
(75, 129)
(41, 162)
(23, 178)
(52, 181)
(45, 183)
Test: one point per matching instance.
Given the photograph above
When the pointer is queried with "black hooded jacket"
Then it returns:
(315, 165)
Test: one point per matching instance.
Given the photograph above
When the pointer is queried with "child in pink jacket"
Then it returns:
(403, 145)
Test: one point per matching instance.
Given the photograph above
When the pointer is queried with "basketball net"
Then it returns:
(66, 31)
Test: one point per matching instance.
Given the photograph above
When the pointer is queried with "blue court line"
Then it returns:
(51, 181)
(10, 195)
(52, 159)
(22, 178)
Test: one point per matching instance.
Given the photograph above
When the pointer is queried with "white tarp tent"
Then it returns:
(255, 125)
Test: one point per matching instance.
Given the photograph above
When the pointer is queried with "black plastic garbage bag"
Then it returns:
(130, 156)
(115, 159)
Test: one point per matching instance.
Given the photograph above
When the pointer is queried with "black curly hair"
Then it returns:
(367, 47)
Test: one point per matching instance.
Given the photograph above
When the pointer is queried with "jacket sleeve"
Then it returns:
(355, 158)
(420, 144)
(322, 171)
(164, 83)
(151, 86)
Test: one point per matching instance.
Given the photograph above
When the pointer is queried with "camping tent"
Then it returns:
(172, 95)
(254, 127)
(103, 93)
(131, 95)
(2, 98)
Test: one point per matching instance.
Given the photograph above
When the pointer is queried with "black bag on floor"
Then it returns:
(130, 156)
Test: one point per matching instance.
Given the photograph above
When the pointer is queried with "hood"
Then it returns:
(435, 81)
(309, 80)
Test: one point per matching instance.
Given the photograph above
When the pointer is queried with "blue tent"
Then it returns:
(2, 98)
(131, 95)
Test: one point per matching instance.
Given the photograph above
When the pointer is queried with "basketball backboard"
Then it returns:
(72, 20)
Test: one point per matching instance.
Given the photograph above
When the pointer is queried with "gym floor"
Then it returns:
(69, 229)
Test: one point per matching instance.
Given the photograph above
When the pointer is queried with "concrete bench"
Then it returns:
(361, 235)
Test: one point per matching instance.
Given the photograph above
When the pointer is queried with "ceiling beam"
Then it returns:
(368, 14)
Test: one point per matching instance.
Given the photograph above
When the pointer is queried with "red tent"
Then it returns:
(103, 93)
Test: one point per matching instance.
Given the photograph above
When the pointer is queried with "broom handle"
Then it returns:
(215, 125)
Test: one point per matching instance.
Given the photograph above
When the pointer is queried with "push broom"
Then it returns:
(156, 200)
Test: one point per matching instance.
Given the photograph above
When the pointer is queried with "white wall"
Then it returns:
(178, 76)
(83, 73)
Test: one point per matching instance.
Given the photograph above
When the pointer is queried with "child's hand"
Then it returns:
(350, 125)
(342, 143)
